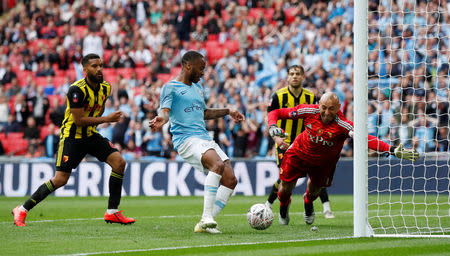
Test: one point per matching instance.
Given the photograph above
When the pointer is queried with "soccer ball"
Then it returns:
(259, 216)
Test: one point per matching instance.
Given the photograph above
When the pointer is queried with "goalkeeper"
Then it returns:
(316, 151)
(288, 97)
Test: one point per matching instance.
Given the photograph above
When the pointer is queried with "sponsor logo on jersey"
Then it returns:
(192, 108)
(319, 139)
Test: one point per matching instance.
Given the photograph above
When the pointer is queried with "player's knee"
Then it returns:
(121, 165)
(59, 181)
(218, 167)
(230, 182)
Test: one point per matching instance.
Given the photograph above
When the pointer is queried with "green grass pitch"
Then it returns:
(164, 226)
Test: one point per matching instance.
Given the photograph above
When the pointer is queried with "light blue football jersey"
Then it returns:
(187, 109)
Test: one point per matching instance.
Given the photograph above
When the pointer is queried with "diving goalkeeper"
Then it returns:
(316, 151)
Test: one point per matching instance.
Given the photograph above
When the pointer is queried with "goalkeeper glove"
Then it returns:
(408, 154)
(275, 131)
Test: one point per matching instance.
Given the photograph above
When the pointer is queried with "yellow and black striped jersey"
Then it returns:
(82, 95)
(283, 98)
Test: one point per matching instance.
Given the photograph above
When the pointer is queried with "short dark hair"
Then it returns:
(90, 56)
(190, 56)
(302, 70)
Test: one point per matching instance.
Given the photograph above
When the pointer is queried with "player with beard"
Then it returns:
(182, 103)
(85, 105)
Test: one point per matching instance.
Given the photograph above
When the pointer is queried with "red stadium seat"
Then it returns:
(214, 50)
(108, 73)
(80, 30)
(225, 15)
(14, 135)
(231, 45)
(41, 80)
(256, 12)
(164, 77)
(125, 72)
(290, 14)
(58, 81)
(141, 73)
(22, 77)
(175, 71)
(51, 98)
(107, 55)
(15, 146)
(60, 30)
(72, 74)
(269, 13)
(212, 37)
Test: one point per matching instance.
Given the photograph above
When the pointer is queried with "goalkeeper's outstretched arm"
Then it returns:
(382, 147)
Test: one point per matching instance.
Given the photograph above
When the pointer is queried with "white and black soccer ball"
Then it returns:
(259, 216)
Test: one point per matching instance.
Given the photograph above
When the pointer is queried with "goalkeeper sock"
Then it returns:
(223, 194)
(41, 193)
(309, 198)
(115, 190)
(324, 195)
(285, 199)
(274, 193)
(210, 189)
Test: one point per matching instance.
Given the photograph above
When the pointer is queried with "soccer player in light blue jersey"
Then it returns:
(182, 103)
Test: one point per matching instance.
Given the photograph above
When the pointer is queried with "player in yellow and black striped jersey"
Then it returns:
(287, 97)
(86, 100)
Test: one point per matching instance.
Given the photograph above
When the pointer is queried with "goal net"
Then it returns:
(408, 103)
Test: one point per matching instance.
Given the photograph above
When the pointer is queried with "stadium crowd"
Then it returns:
(248, 44)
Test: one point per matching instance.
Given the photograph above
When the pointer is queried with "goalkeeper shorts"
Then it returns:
(294, 167)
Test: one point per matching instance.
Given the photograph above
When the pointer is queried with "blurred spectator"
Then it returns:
(32, 134)
(182, 21)
(8, 75)
(14, 88)
(119, 131)
(12, 125)
(153, 143)
(443, 139)
(4, 112)
(21, 109)
(51, 141)
(57, 111)
(92, 43)
(45, 69)
(40, 106)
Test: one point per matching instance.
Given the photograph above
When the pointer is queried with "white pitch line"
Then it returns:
(206, 245)
(160, 217)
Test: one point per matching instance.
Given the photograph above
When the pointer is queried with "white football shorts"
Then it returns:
(193, 149)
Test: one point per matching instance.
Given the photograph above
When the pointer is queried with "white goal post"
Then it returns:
(395, 198)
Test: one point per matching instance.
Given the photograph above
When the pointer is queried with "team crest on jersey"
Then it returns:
(65, 158)
(319, 132)
(200, 92)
